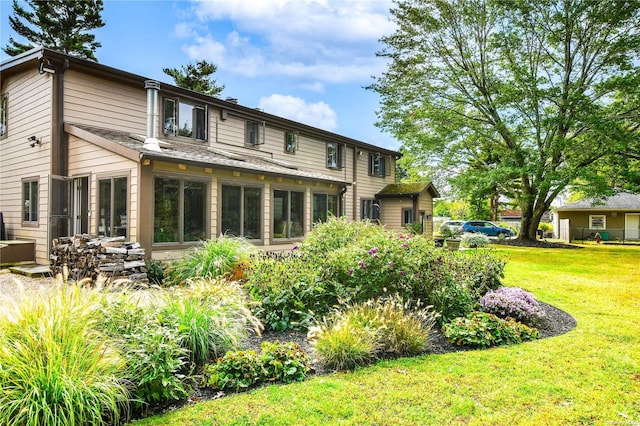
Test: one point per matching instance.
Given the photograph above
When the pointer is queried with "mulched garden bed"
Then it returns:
(531, 243)
(557, 322)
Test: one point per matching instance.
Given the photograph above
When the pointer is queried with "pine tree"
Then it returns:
(196, 77)
(61, 25)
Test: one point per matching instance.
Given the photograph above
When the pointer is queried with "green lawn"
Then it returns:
(590, 375)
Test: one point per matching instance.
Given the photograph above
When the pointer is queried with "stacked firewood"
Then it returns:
(84, 256)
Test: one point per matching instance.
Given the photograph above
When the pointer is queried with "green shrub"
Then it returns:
(237, 370)
(474, 240)
(288, 290)
(344, 262)
(156, 362)
(284, 362)
(480, 329)
(370, 330)
(211, 318)
(155, 271)
(55, 368)
(221, 257)
(337, 233)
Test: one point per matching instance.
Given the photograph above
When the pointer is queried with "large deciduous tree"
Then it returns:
(61, 25)
(196, 77)
(525, 98)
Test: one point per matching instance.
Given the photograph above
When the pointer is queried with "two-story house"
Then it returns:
(87, 148)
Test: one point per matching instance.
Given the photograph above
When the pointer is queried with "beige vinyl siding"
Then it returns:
(391, 211)
(368, 186)
(88, 159)
(103, 103)
(229, 132)
(425, 204)
(29, 102)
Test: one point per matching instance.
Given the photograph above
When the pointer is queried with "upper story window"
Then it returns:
(290, 142)
(253, 133)
(335, 155)
(30, 201)
(3, 115)
(184, 119)
(379, 166)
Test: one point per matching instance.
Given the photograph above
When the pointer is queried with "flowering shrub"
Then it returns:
(482, 330)
(512, 302)
(344, 262)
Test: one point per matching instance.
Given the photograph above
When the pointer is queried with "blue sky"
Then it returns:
(306, 60)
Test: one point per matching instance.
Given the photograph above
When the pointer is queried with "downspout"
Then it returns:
(59, 155)
(59, 139)
(341, 211)
(356, 208)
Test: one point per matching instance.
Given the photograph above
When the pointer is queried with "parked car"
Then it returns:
(487, 228)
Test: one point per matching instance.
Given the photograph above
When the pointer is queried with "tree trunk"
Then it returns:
(530, 220)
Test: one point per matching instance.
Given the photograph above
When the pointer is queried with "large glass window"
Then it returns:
(184, 119)
(241, 211)
(180, 210)
(324, 206)
(288, 214)
(112, 207)
(30, 201)
(3, 116)
(194, 211)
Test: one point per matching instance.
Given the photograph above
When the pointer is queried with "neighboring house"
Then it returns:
(511, 218)
(614, 218)
(86, 148)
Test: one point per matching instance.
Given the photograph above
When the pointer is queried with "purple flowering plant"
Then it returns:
(512, 302)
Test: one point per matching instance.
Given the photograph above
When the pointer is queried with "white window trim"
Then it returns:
(594, 216)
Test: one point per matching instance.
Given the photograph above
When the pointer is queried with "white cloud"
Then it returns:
(207, 48)
(312, 41)
(314, 86)
(317, 114)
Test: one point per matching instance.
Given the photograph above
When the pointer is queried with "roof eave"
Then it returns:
(159, 157)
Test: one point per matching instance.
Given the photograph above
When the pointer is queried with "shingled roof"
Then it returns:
(131, 146)
(398, 190)
(619, 201)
